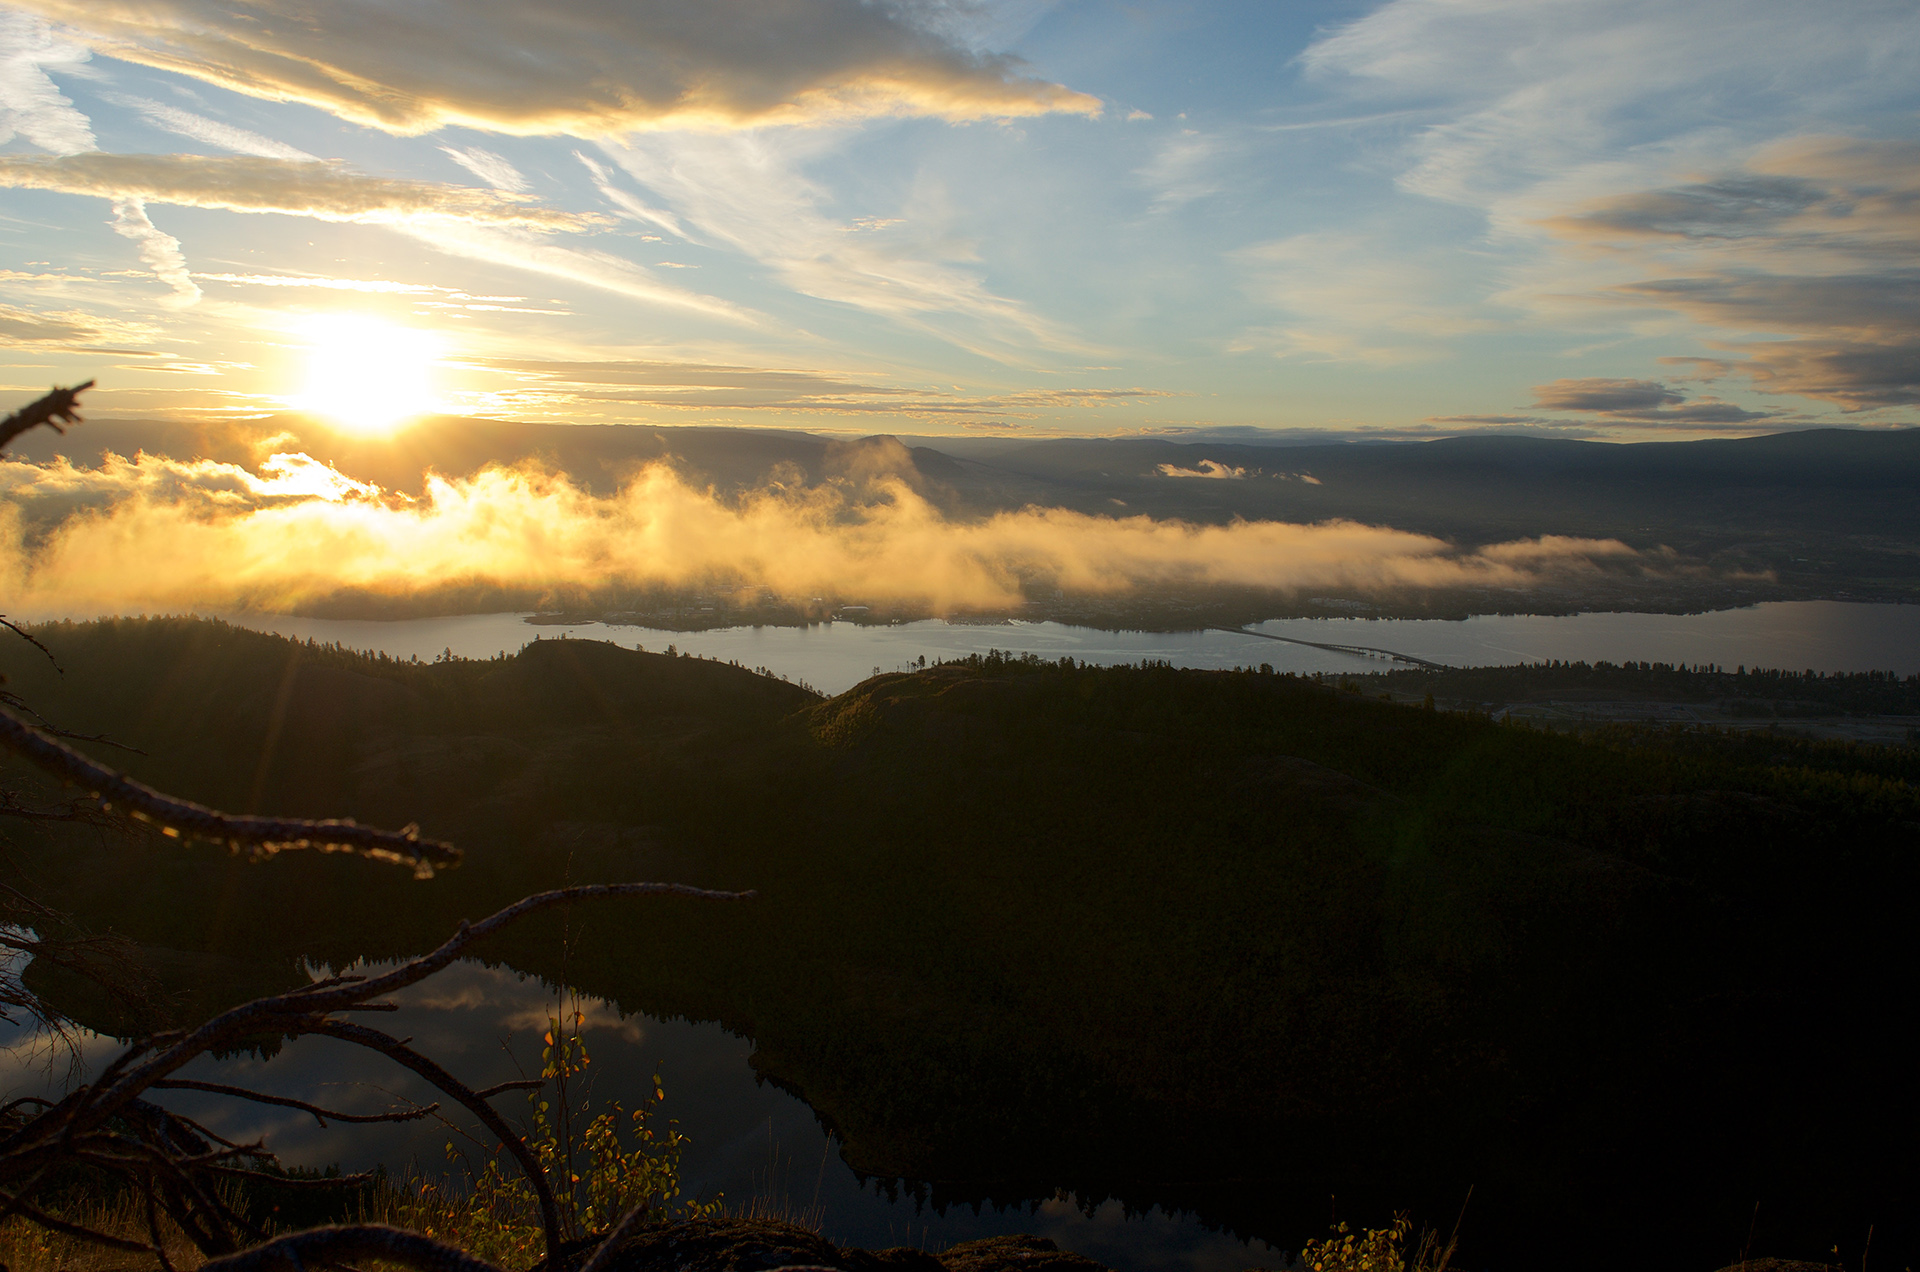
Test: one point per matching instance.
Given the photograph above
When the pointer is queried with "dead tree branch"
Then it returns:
(407, 1057)
(46, 726)
(261, 836)
(111, 1123)
(33, 640)
(59, 406)
(320, 1115)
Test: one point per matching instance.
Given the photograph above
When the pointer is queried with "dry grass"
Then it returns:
(423, 1205)
(426, 1209)
(27, 1248)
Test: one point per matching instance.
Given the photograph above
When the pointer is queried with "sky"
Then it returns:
(1616, 219)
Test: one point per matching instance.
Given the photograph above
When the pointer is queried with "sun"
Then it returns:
(367, 375)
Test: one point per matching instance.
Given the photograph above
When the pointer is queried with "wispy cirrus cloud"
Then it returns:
(1640, 171)
(588, 69)
(212, 132)
(250, 183)
(1188, 166)
(695, 386)
(491, 168)
(31, 104)
(1569, 97)
(1347, 300)
(747, 192)
(496, 226)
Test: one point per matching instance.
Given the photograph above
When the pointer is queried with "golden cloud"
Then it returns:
(67, 328)
(249, 183)
(161, 533)
(587, 68)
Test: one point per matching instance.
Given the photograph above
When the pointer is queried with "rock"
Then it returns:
(757, 1245)
(1015, 1254)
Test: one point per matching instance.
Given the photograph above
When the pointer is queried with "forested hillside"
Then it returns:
(1025, 924)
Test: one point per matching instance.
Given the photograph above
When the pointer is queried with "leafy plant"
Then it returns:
(1377, 1250)
(600, 1167)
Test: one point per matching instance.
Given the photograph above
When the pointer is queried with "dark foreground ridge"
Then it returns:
(1223, 942)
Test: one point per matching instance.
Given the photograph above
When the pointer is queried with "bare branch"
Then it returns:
(153, 1227)
(320, 1115)
(10, 806)
(400, 1053)
(518, 1084)
(46, 726)
(57, 407)
(29, 637)
(162, 1147)
(312, 998)
(287, 1011)
(296, 1181)
(263, 836)
(301, 1250)
(611, 1245)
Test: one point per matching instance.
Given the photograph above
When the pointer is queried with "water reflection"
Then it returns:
(1824, 635)
(751, 1141)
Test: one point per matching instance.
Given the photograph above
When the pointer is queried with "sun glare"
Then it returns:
(366, 375)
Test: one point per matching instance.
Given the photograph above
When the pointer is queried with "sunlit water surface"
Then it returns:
(1825, 636)
(750, 1140)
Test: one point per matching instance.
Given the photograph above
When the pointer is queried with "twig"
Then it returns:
(611, 1244)
(163, 1148)
(47, 726)
(258, 1097)
(263, 835)
(296, 1181)
(153, 1227)
(57, 407)
(322, 998)
(518, 1084)
(10, 806)
(29, 637)
(400, 1053)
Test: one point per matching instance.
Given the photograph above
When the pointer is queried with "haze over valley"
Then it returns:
(711, 527)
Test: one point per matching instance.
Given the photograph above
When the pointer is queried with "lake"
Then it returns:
(750, 1140)
(1826, 636)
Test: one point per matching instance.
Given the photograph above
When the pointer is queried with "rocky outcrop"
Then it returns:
(756, 1245)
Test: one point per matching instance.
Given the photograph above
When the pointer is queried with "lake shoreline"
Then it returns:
(831, 657)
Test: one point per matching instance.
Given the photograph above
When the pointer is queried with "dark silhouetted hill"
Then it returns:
(1137, 931)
